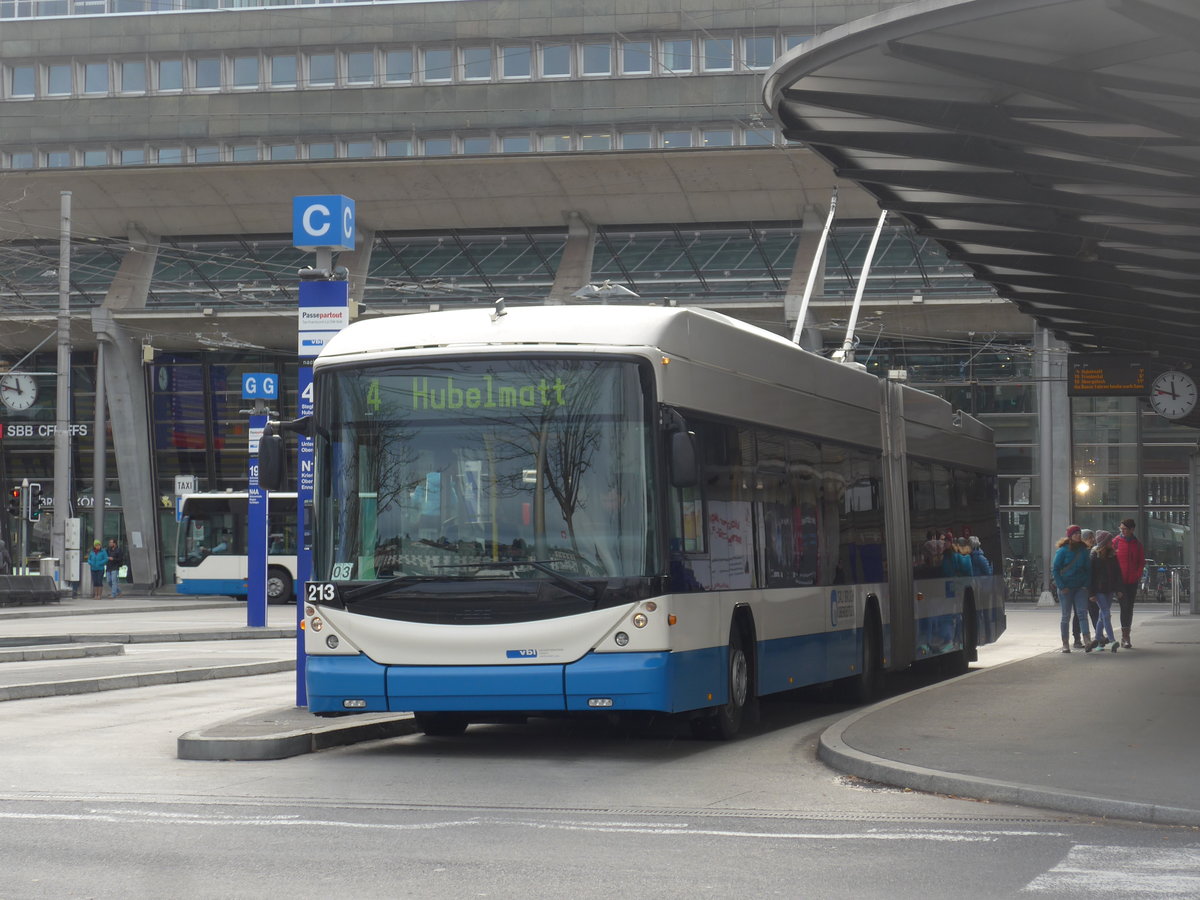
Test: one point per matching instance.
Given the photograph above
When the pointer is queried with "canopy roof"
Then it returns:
(1053, 146)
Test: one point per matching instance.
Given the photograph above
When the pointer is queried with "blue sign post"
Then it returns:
(304, 496)
(323, 223)
(256, 536)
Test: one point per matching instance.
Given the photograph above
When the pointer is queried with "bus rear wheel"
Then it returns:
(440, 724)
(279, 585)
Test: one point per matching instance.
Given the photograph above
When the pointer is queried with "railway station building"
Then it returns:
(543, 151)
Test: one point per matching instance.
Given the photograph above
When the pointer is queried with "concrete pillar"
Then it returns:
(1055, 472)
(358, 261)
(125, 387)
(803, 263)
(575, 266)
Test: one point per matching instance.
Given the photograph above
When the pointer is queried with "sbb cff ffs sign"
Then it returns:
(323, 222)
(1107, 376)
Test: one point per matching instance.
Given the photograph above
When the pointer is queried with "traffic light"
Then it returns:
(35, 502)
(14, 502)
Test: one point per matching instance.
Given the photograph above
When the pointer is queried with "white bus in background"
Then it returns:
(629, 510)
(210, 555)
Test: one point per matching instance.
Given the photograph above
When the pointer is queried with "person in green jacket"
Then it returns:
(1072, 573)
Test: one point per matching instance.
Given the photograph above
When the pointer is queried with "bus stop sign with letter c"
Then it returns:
(323, 222)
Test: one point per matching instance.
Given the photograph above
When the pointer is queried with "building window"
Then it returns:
(718, 55)
(397, 147)
(283, 71)
(283, 151)
(758, 137)
(515, 62)
(170, 156)
(360, 149)
(322, 70)
(245, 153)
(360, 67)
(398, 66)
(477, 63)
(207, 153)
(673, 140)
(437, 64)
(516, 143)
(95, 157)
(476, 145)
(718, 137)
(245, 73)
(206, 73)
(58, 80)
(133, 76)
(595, 142)
(597, 59)
(556, 143)
(21, 160)
(23, 81)
(95, 78)
(169, 75)
(676, 56)
(556, 60)
(636, 140)
(58, 159)
(635, 58)
(792, 41)
(758, 52)
(323, 150)
(438, 147)
(133, 156)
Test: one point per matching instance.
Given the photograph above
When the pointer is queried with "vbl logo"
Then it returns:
(521, 654)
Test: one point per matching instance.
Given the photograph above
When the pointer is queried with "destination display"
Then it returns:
(1107, 376)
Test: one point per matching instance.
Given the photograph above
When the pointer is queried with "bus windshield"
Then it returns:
(484, 468)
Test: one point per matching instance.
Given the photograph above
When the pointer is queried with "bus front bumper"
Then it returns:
(657, 681)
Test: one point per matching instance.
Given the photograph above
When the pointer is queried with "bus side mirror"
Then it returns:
(684, 470)
(271, 472)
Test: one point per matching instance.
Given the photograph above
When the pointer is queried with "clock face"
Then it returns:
(18, 391)
(1173, 395)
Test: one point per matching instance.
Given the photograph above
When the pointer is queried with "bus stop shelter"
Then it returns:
(1052, 146)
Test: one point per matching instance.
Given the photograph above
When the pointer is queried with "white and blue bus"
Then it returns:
(561, 510)
(210, 551)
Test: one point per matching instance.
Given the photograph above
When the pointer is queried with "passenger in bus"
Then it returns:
(956, 561)
(1071, 569)
(223, 545)
(980, 564)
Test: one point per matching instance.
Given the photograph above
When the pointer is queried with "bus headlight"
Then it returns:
(640, 620)
(317, 623)
(332, 641)
(621, 638)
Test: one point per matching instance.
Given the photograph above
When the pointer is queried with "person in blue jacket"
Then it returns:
(97, 561)
(1071, 569)
(980, 564)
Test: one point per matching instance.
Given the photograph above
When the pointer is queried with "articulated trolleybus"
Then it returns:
(629, 510)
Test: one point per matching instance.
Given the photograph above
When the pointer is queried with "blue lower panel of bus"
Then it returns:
(665, 682)
(233, 586)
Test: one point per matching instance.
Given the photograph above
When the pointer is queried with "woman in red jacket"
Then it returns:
(1132, 559)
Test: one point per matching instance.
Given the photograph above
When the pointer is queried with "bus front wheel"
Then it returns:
(726, 720)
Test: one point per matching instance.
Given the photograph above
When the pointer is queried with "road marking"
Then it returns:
(134, 817)
(1095, 870)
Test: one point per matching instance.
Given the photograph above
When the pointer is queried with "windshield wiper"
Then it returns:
(578, 588)
(376, 587)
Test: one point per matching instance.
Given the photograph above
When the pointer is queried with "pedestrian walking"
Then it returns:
(112, 568)
(1132, 559)
(1089, 538)
(97, 560)
(1106, 585)
(5, 560)
(1071, 570)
